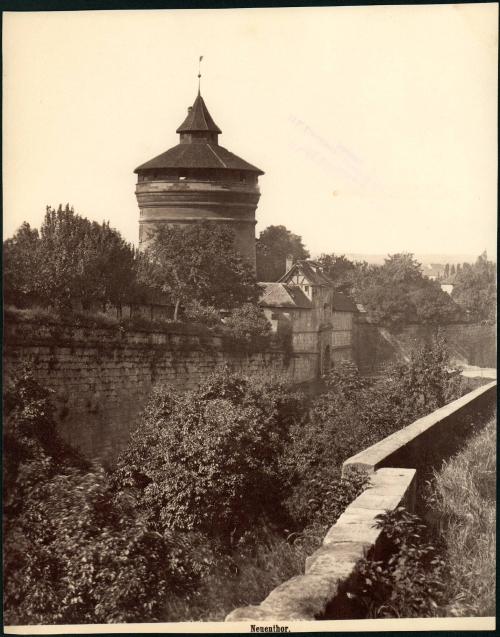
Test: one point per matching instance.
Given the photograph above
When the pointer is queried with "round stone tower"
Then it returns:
(196, 180)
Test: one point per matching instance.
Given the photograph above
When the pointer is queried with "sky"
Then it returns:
(376, 126)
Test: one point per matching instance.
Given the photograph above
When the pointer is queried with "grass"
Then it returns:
(247, 579)
(464, 510)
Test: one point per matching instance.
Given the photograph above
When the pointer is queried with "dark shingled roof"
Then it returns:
(283, 295)
(343, 303)
(198, 119)
(199, 155)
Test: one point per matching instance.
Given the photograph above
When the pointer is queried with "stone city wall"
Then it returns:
(102, 377)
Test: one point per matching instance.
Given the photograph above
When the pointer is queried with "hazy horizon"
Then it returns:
(375, 126)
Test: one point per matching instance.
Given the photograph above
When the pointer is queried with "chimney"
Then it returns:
(289, 262)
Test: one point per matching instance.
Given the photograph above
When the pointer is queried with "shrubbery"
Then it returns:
(207, 460)
(208, 476)
(411, 580)
(75, 550)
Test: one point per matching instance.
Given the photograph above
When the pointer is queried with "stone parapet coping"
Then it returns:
(374, 457)
(327, 571)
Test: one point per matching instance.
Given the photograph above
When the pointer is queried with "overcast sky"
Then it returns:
(376, 126)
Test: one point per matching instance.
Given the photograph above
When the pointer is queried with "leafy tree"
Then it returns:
(432, 305)
(397, 293)
(340, 270)
(20, 265)
(273, 246)
(75, 550)
(207, 460)
(72, 259)
(475, 289)
(198, 262)
(248, 321)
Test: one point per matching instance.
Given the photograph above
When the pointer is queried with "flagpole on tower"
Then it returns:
(199, 73)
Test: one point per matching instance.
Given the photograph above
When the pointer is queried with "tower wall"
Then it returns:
(189, 201)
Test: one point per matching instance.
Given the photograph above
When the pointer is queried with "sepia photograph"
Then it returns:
(249, 319)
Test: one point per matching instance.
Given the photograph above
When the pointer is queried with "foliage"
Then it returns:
(427, 381)
(411, 580)
(246, 576)
(475, 289)
(462, 504)
(198, 262)
(75, 551)
(355, 413)
(340, 270)
(20, 263)
(71, 260)
(273, 246)
(207, 460)
(397, 293)
(248, 322)
(199, 313)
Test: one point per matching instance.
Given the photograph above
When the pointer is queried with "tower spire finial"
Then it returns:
(199, 73)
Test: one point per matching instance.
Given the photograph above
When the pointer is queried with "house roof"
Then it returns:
(311, 270)
(199, 155)
(283, 295)
(343, 303)
(198, 119)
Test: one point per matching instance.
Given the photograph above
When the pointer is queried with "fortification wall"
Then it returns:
(102, 377)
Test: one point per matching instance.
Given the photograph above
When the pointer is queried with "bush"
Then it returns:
(355, 413)
(199, 313)
(410, 581)
(207, 460)
(75, 550)
(248, 322)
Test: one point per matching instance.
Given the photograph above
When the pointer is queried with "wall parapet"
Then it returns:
(333, 567)
(410, 446)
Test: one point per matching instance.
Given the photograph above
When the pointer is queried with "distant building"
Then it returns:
(199, 180)
(304, 304)
(433, 271)
(447, 287)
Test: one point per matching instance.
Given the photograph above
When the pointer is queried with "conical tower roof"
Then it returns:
(198, 119)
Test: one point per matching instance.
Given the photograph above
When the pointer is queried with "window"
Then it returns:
(306, 289)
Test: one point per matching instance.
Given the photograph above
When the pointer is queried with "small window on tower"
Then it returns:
(306, 289)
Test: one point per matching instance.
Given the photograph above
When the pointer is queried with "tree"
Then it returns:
(75, 550)
(198, 262)
(452, 270)
(340, 270)
(397, 293)
(273, 246)
(475, 289)
(82, 260)
(208, 460)
(71, 260)
(20, 265)
(402, 268)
